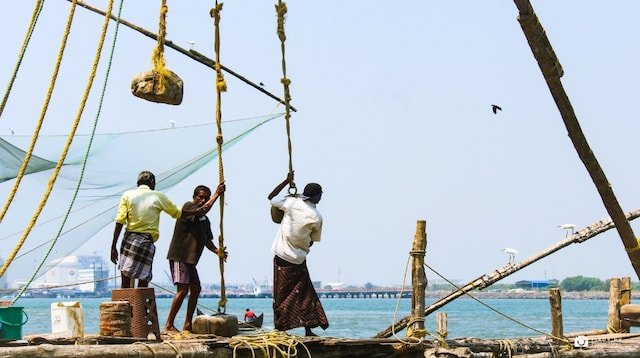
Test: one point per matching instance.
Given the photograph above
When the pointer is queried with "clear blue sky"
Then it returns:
(394, 120)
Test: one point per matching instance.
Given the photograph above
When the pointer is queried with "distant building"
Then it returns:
(85, 274)
(537, 284)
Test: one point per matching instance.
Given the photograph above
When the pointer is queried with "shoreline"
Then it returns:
(573, 295)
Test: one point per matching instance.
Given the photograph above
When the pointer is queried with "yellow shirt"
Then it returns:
(139, 210)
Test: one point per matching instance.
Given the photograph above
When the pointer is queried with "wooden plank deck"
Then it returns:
(280, 344)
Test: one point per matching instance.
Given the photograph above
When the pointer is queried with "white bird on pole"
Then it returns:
(511, 252)
(568, 227)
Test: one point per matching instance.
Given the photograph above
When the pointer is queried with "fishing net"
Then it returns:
(114, 162)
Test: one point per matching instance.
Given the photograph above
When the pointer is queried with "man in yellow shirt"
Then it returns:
(139, 212)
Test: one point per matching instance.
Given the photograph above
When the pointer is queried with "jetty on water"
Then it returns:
(129, 327)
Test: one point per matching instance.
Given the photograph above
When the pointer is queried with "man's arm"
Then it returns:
(114, 248)
(281, 186)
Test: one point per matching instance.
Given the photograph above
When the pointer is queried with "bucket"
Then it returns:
(11, 321)
(67, 319)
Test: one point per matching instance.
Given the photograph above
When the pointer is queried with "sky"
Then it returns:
(393, 119)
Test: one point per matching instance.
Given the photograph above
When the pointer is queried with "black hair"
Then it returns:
(203, 188)
(146, 178)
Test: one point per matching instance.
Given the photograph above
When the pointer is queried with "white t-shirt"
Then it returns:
(301, 224)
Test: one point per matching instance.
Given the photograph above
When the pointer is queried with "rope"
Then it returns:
(29, 152)
(157, 58)
(272, 344)
(95, 124)
(221, 86)
(281, 10)
(34, 18)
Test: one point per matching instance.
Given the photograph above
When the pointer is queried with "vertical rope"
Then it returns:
(281, 10)
(34, 18)
(159, 63)
(221, 86)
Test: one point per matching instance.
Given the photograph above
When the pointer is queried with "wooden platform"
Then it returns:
(245, 346)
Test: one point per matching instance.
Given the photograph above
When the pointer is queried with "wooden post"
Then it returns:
(419, 282)
(555, 301)
(625, 299)
(441, 325)
(614, 323)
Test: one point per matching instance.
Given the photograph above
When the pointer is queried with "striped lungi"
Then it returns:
(295, 301)
(136, 256)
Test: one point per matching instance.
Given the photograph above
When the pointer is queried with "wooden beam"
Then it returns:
(193, 54)
(552, 71)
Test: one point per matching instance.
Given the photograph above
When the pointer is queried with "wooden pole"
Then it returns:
(441, 325)
(625, 299)
(555, 301)
(614, 324)
(419, 282)
(552, 71)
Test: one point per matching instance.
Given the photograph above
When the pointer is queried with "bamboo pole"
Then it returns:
(555, 301)
(552, 71)
(419, 282)
(489, 279)
(441, 325)
(193, 54)
(614, 324)
(625, 299)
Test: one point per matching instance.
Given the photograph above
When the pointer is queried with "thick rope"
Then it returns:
(29, 153)
(157, 58)
(281, 10)
(105, 26)
(221, 86)
(34, 18)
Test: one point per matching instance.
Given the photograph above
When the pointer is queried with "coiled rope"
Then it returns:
(221, 86)
(32, 25)
(281, 10)
(29, 152)
(91, 136)
(272, 344)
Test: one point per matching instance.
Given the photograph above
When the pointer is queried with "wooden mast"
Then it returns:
(552, 71)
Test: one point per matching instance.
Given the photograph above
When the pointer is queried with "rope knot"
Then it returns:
(219, 138)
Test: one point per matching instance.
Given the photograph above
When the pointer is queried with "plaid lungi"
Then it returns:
(136, 256)
(295, 301)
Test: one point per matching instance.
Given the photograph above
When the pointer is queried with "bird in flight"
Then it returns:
(495, 108)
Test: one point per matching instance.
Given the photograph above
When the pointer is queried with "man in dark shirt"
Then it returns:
(191, 235)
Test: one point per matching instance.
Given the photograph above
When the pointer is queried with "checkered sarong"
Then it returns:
(136, 256)
(295, 301)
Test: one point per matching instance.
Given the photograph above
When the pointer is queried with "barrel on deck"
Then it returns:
(115, 319)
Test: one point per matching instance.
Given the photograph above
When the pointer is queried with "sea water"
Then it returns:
(365, 317)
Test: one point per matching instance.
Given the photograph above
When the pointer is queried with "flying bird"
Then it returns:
(172, 122)
(511, 252)
(495, 108)
(11, 130)
(191, 42)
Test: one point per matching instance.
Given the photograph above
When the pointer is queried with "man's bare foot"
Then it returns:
(187, 327)
(170, 330)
